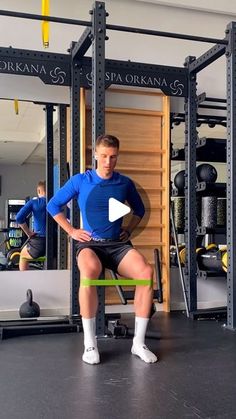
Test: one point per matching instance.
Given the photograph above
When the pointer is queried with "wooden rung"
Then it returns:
(152, 226)
(152, 190)
(156, 207)
(138, 151)
(137, 91)
(147, 170)
(129, 111)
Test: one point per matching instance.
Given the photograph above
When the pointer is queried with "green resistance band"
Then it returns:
(39, 259)
(114, 282)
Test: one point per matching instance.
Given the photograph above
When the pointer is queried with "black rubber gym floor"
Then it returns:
(44, 376)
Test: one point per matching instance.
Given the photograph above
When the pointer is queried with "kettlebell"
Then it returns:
(30, 308)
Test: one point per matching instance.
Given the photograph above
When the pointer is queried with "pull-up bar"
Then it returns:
(119, 28)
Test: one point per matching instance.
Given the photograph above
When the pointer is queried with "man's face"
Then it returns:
(40, 191)
(106, 158)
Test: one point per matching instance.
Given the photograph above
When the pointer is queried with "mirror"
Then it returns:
(22, 166)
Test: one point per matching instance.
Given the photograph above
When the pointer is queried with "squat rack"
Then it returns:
(173, 81)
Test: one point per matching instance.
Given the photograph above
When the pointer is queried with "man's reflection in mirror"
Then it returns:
(32, 219)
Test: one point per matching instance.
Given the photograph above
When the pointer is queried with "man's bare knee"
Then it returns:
(88, 264)
(146, 272)
(90, 273)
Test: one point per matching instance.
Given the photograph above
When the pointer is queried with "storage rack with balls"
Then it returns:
(210, 237)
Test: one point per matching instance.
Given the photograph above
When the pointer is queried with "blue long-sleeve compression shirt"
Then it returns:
(92, 194)
(37, 208)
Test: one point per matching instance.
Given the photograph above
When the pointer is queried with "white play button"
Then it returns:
(117, 209)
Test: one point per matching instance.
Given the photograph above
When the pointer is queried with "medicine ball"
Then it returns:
(179, 181)
(206, 173)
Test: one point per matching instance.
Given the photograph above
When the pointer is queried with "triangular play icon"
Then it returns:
(116, 209)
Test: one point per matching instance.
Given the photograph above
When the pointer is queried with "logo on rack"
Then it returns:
(177, 88)
(57, 75)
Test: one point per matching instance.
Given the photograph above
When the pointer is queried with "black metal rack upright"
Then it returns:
(231, 174)
(62, 256)
(95, 37)
(190, 186)
(49, 183)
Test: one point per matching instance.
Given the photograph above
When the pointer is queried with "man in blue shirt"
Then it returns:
(104, 244)
(36, 243)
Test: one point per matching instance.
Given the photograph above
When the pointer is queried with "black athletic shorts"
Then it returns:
(109, 253)
(36, 246)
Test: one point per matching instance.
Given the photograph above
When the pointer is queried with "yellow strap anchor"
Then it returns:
(45, 24)
(16, 106)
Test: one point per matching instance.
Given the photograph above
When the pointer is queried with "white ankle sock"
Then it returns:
(139, 348)
(91, 354)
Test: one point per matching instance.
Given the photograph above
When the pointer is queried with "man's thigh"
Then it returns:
(115, 254)
(25, 254)
(132, 264)
(88, 260)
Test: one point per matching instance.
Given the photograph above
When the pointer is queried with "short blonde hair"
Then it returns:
(42, 185)
(107, 141)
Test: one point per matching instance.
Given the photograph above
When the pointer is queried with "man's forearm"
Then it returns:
(26, 229)
(75, 233)
(63, 223)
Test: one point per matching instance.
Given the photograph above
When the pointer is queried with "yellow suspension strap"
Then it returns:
(200, 251)
(212, 246)
(114, 282)
(45, 24)
(224, 259)
(16, 106)
(182, 255)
